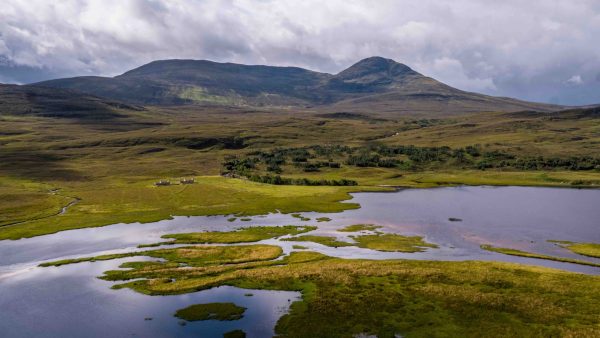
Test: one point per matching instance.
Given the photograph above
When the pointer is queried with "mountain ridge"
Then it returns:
(371, 83)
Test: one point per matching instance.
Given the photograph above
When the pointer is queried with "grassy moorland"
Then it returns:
(343, 297)
(109, 164)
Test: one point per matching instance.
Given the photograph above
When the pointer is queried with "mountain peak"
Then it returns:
(373, 72)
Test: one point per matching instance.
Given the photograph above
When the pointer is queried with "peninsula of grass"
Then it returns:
(514, 252)
(324, 240)
(585, 249)
(192, 255)
(211, 311)
(393, 243)
(348, 297)
(360, 227)
(88, 259)
(243, 235)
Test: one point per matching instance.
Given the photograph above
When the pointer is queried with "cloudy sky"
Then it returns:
(536, 50)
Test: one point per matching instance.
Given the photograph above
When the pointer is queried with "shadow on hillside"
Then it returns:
(37, 165)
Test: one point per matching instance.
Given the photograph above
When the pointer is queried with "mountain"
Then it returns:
(60, 103)
(371, 84)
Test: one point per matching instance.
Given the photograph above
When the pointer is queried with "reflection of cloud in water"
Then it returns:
(51, 300)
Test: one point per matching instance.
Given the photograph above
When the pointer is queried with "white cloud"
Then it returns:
(512, 47)
(452, 71)
(575, 80)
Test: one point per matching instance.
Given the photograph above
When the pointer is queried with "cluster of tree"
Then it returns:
(239, 166)
(366, 159)
(313, 158)
(416, 154)
(278, 180)
(315, 166)
(542, 163)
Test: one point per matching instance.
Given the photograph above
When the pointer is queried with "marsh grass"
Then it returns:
(202, 255)
(324, 240)
(300, 217)
(211, 311)
(243, 235)
(360, 227)
(393, 242)
(343, 297)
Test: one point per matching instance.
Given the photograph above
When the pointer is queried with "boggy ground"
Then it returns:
(110, 166)
(343, 297)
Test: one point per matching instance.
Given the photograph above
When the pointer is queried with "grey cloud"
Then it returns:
(532, 50)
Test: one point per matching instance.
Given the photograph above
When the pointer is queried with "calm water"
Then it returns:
(52, 301)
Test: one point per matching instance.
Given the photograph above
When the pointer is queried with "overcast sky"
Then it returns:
(538, 50)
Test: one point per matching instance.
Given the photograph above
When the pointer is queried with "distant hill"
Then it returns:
(59, 103)
(371, 84)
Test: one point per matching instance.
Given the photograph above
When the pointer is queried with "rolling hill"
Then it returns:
(372, 84)
(59, 103)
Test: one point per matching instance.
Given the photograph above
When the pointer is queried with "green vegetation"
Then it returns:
(325, 240)
(300, 217)
(111, 163)
(191, 255)
(360, 227)
(313, 158)
(141, 202)
(586, 249)
(343, 297)
(393, 242)
(251, 234)
(299, 247)
(211, 311)
(278, 180)
(89, 259)
(323, 219)
(515, 252)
